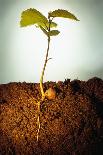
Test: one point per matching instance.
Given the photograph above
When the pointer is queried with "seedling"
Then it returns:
(34, 17)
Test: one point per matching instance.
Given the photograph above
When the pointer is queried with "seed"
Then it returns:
(50, 94)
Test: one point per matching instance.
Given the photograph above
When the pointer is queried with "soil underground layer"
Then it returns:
(71, 124)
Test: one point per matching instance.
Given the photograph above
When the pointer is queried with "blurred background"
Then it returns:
(77, 52)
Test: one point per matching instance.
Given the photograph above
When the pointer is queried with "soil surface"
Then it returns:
(70, 124)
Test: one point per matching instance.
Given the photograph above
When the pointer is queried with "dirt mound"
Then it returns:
(71, 124)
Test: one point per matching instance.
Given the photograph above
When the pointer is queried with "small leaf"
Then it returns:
(53, 24)
(44, 31)
(63, 14)
(32, 16)
(50, 33)
(53, 32)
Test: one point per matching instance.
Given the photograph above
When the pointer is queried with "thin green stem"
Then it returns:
(45, 63)
(42, 75)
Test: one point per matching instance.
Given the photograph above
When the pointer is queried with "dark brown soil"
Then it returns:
(71, 124)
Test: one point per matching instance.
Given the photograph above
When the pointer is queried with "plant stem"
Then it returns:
(41, 79)
(46, 60)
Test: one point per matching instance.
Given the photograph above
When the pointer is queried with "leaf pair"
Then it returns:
(32, 16)
(50, 33)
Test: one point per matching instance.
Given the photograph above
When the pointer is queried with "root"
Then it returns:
(38, 121)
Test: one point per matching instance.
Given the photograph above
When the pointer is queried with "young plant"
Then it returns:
(34, 17)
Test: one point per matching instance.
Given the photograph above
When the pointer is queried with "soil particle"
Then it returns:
(70, 124)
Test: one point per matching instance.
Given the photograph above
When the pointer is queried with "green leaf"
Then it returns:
(50, 33)
(52, 25)
(53, 32)
(44, 31)
(63, 14)
(32, 16)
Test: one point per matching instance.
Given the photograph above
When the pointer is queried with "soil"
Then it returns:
(70, 124)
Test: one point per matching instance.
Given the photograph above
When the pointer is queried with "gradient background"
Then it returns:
(77, 52)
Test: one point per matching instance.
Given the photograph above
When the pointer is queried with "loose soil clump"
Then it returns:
(71, 123)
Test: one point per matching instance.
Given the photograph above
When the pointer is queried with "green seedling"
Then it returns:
(34, 17)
